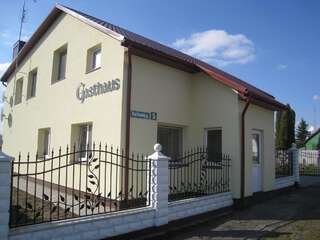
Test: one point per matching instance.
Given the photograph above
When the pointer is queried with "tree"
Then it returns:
(285, 132)
(302, 133)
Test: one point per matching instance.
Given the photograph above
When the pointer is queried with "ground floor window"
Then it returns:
(81, 137)
(171, 140)
(214, 144)
(43, 142)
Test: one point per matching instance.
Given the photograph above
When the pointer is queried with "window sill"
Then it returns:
(92, 70)
(57, 81)
(31, 97)
(81, 161)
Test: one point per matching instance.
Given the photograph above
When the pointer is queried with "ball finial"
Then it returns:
(157, 147)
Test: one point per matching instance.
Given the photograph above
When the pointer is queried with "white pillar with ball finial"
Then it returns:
(159, 185)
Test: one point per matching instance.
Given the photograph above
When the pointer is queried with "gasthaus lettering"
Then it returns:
(84, 92)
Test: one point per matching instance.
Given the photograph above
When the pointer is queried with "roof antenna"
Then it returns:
(22, 21)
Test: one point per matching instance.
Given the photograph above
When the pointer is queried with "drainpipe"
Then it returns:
(243, 150)
(128, 116)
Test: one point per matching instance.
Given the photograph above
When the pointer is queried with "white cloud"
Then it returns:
(316, 97)
(311, 128)
(5, 35)
(218, 47)
(281, 67)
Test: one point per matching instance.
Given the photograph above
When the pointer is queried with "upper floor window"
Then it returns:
(59, 64)
(18, 92)
(32, 83)
(94, 58)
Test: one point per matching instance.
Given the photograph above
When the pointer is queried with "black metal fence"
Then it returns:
(284, 166)
(77, 183)
(309, 161)
(198, 173)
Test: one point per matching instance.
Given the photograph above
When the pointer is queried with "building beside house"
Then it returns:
(81, 80)
(313, 142)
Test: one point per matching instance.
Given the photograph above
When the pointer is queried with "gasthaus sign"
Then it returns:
(83, 92)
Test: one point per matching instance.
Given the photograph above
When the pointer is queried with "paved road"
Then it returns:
(295, 215)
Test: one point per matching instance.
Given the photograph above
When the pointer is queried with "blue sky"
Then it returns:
(271, 44)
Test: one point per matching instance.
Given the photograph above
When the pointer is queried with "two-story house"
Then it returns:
(80, 79)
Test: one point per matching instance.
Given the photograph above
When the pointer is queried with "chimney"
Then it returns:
(17, 47)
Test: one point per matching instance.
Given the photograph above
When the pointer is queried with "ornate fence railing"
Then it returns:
(283, 163)
(77, 183)
(198, 173)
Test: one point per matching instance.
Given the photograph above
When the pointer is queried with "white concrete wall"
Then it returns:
(284, 182)
(87, 228)
(194, 206)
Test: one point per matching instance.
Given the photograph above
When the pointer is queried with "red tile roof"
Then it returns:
(129, 38)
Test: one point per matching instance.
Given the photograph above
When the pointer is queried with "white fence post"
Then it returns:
(5, 185)
(159, 185)
(294, 152)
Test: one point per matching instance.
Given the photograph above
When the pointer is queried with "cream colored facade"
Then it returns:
(194, 102)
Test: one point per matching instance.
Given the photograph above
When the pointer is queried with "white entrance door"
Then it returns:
(256, 161)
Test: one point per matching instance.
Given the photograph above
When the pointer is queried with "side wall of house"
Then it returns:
(261, 120)
(191, 101)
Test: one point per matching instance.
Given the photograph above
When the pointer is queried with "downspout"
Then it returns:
(128, 116)
(243, 150)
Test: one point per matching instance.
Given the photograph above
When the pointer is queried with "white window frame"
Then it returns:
(93, 54)
(205, 141)
(47, 155)
(96, 53)
(88, 140)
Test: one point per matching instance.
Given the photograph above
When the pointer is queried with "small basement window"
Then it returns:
(18, 92)
(32, 83)
(94, 58)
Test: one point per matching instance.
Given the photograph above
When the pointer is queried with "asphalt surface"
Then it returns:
(294, 215)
